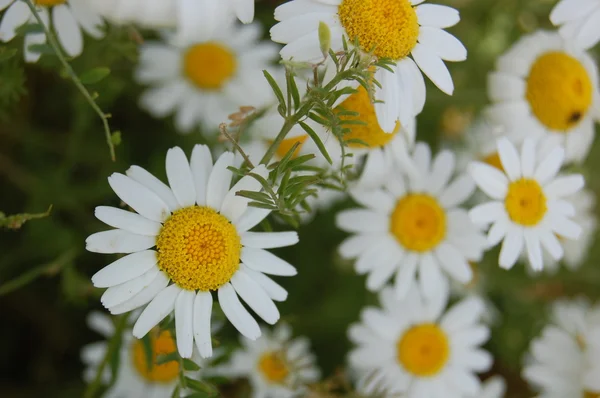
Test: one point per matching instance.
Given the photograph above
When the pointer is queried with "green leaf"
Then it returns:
(16, 221)
(293, 89)
(29, 28)
(7, 53)
(162, 359)
(190, 365)
(315, 137)
(276, 90)
(115, 138)
(257, 196)
(94, 75)
(42, 48)
(175, 393)
(261, 205)
(201, 386)
(148, 352)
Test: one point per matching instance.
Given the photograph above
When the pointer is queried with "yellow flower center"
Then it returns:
(370, 133)
(559, 91)
(163, 344)
(49, 3)
(209, 65)
(198, 248)
(423, 350)
(525, 202)
(418, 222)
(389, 27)
(494, 160)
(273, 367)
(588, 394)
(286, 145)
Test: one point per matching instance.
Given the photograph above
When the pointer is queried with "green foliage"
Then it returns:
(16, 221)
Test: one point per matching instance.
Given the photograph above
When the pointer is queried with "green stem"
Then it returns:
(92, 388)
(57, 50)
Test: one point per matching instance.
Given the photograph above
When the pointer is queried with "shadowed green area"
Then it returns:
(53, 152)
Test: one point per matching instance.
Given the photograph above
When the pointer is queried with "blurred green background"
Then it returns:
(53, 152)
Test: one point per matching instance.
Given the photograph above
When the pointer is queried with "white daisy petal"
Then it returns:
(125, 269)
(16, 15)
(256, 298)
(463, 314)
(201, 323)
(158, 309)
(118, 241)
(509, 157)
(564, 186)
(236, 313)
(180, 177)
(140, 198)
(269, 240)
(441, 171)
(454, 263)
(438, 16)
(433, 66)
(528, 159)
(120, 293)
(244, 10)
(201, 165)
(219, 181)
(431, 279)
(67, 29)
(497, 232)
(128, 221)
(457, 192)
(251, 217)
(405, 276)
(512, 247)
(264, 261)
(534, 249)
(589, 34)
(234, 206)
(445, 46)
(155, 185)
(184, 315)
(361, 220)
(387, 110)
(143, 297)
(486, 213)
(568, 10)
(489, 179)
(551, 244)
(272, 288)
(549, 166)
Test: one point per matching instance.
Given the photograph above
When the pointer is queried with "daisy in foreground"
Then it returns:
(276, 365)
(529, 206)
(579, 20)
(563, 361)
(546, 86)
(413, 223)
(392, 29)
(68, 19)
(204, 79)
(133, 379)
(414, 348)
(199, 230)
(187, 16)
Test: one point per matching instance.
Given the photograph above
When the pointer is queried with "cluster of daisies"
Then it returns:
(421, 223)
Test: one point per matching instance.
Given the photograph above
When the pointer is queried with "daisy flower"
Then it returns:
(187, 16)
(393, 29)
(578, 21)
(204, 80)
(200, 231)
(276, 365)
(67, 17)
(546, 86)
(562, 362)
(529, 202)
(576, 251)
(414, 223)
(415, 348)
(133, 378)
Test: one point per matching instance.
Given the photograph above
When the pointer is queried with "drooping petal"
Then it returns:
(202, 313)
(160, 306)
(236, 313)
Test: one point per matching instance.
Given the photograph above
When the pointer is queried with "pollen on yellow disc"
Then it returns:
(423, 350)
(273, 367)
(286, 145)
(418, 222)
(525, 202)
(49, 3)
(370, 132)
(198, 248)
(588, 394)
(209, 65)
(559, 91)
(493, 159)
(162, 344)
(390, 27)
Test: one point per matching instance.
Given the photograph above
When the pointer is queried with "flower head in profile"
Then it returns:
(412, 226)
(205, 78)
(545, 86)
(67, 17)
(186, 242)
(277, 365)
(530, 204)
(563, 360)
(579, 21)
(416, 348)
(409, 33)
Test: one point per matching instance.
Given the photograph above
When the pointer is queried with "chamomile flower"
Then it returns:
(202, 81)
(187, 16)
(494, 387)
(546, 86)
(562, 362)
(200, 231)
(529, 202)
(134, 378)
(415, 348)
(277, 365)
(579, 21)
(413, 225)
(66, 17)
(393, 29)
